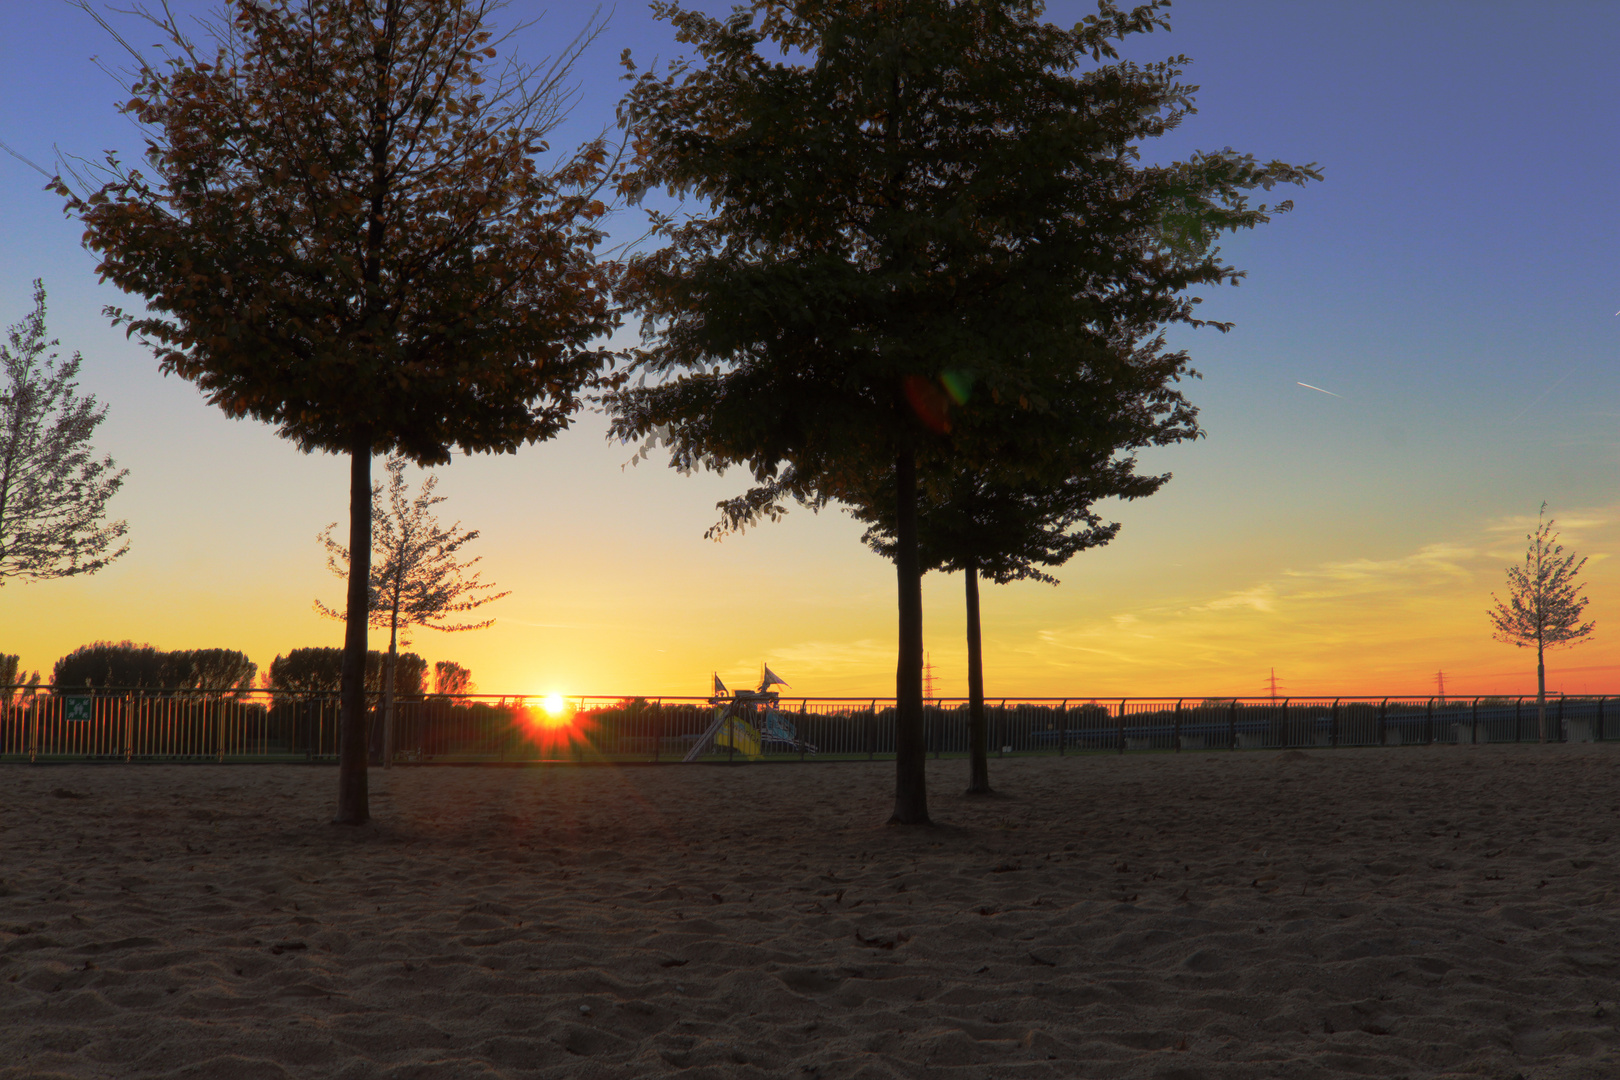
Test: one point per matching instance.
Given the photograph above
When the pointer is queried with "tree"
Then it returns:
(307, 672)
(53, 493)
(1544, 605)
(343, 229)
(116, 664)
(416, 579)
(125, 665)
(316, 672)
(12, 679)
(210, 669)
(984, 524)
(922, 195)
(451, 679)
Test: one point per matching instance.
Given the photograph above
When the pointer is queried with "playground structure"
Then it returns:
(749, 721)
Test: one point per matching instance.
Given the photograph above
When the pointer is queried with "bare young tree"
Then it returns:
(53, 493)
(416, 577)
(1544, 605)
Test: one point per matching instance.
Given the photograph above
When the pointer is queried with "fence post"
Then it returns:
(1561, 736)
(1063, 732)
(1473, 723)
(1231, 724)
(1518, 719)
(1598, 736)
(1175, 733)
(871, 730)
(1121, 725)
(1383, 723)
(129, 726)
(1287, 742)
(1333, 726)
(1428, 723)
(804, 706)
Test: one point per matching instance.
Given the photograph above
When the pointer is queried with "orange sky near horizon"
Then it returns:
(601, 606)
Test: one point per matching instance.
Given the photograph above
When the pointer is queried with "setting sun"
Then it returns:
(555, 707)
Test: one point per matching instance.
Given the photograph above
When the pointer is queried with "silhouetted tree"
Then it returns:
(12, 677)
(210, 669)
(53, 493)
(316, 671)
(125, 665)
(1544, 605)
(1007, 523)
(921, 195)
(114, 664)
(343, 229)
(307, 672)
(450, 678)
(416, 579)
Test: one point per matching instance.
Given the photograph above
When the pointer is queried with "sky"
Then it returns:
(1452, 282)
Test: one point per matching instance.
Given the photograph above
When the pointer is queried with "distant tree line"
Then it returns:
(320, 671)
(126, 665)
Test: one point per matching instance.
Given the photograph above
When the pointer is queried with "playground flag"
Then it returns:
(719, 687)
(772, 679)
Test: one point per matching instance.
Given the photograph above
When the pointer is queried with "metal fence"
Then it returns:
(58, 724)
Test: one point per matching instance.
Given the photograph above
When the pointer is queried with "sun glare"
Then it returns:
(554, 707)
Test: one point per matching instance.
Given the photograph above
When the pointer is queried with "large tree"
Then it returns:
(53, 491)
(1034, 508)
(919, 194)
(345, 229)
(417, 576)
(1544, 607)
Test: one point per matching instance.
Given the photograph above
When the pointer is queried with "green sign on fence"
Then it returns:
(76, 708)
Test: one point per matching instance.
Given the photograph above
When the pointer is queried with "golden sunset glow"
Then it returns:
(554, 710)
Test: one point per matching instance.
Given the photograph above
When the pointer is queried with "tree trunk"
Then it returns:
(1541, 693)
(910, 738)
(978, 728)
(354, 804)
(388, 698)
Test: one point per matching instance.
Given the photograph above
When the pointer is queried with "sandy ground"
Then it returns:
(1412, 912)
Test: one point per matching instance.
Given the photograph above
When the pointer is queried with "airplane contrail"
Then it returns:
(1547, 391)
(1319, 390)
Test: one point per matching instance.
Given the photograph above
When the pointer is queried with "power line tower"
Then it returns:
(928, 679)
(1440, 683)
(1273, 685)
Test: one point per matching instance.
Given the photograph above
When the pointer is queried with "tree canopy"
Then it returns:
(920, 198)
(317, 671)
(344, 228)
(124, 665)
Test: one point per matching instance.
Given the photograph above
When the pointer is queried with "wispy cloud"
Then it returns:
(1341, 625)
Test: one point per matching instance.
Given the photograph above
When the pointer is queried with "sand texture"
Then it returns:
(1418, 912)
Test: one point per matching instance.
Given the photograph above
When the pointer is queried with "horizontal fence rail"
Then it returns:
(64, 724)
